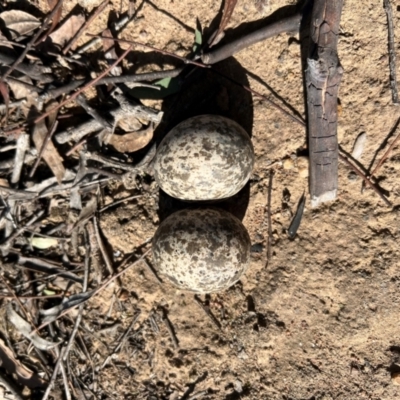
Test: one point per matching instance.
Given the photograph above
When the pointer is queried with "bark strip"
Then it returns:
(323, 75)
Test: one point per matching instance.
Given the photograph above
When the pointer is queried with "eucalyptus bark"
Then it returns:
(323, 75)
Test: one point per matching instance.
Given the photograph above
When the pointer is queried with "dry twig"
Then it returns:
(101, 287)
(167, 53)
(32, 41)
(392, 52)
(269, 243)
(54, 376)
(170, 328)
(80, 311)
(385, 156)
(208, 312)
(89, 84)
(288, 24)
(91, 18)
(47, 139)
(345, 159)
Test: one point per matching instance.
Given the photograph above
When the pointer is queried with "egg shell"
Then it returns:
(207, 157)
(201, 250)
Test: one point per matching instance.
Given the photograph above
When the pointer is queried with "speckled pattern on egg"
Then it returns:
(201, 250)
(207, 157)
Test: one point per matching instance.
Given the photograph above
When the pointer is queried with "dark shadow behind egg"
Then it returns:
(236, 205)
(206, 92)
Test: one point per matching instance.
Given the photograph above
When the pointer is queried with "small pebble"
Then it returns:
(288, 163)
(303, 166)
(303, 172)
(352, 176)
(359, 145)
(257, 248)
(242, 355)
(89, 3)
(238, 386)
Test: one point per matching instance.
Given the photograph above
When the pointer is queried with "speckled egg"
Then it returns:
(201, 250)
(207, 157)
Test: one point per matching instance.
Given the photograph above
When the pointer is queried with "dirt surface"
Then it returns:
(321, 320)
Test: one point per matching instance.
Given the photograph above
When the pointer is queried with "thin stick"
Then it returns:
(89, 84)
(122, 339)
(271, 174)
(366, 180)
(55, 373)
(81, 100)
(392, 52)
(16, 298)
(385, 156)
(13, 104)
(150, 76)
(11, 387)
(167, 53)
(153, 272)
(33, 40)
(100, 288)
(43, 148)
(277, 106)
(170, 329)
(288, 24)
(103, 250)
(17, 232)
(81, 306)
(94, 15)
(52, 296)
(107, 206)
(208, 312)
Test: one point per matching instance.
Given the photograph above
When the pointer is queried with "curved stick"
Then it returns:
(288, 24)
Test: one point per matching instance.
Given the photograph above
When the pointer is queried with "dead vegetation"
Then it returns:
(84, 315)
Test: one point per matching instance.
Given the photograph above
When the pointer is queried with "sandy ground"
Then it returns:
(321, 320)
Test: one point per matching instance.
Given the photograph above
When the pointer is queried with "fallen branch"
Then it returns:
(129, 109)
(323, 75)
(130, 78)
(166, 53)
(288, 24)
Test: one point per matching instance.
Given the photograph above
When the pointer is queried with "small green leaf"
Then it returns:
(198, 40)
(48, 292)
(164, 82)
(198, 37)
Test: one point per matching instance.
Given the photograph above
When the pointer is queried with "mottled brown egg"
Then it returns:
(207, 157)
(201, 250)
